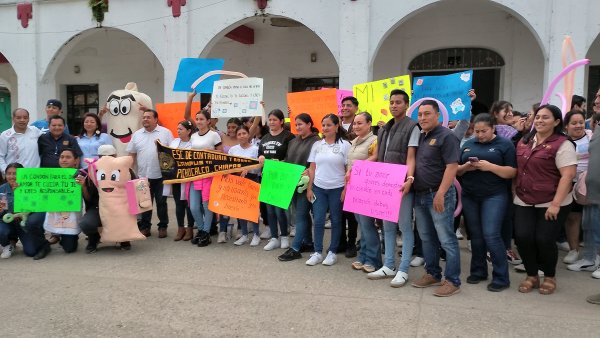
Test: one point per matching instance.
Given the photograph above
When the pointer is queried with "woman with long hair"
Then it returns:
(185, 129)
(91, 137)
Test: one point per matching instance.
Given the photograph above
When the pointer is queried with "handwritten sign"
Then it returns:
(316, 103)
(451, 90)
(279, 182)
(170, 114)
(341, 94)
(374, 97)
(374, 189)
(186, 165)
(47, 190)
(234, 196)
(237, 97)
(190, 69)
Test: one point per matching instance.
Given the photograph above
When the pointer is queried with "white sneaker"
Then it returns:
(383, 272)
(400, 279)
(330, 259)
(328, 224)
(596, 274)
(459, 235)
(222, 237)
(292, 231)
(285, 242)
(7, 251)
(266, 234)
(314, 259)
(272, 245)
(399, 241)
(563, 246)
(242, 240)
(417, 261)
(255, 240)
(583, 265)
(571, 257)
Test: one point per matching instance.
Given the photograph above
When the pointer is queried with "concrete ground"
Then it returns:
(163, 288)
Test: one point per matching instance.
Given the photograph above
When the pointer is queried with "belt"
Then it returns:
(426, 191)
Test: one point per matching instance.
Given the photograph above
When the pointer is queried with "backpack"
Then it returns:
(580, 190)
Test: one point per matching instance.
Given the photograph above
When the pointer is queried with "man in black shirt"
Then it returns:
(51, 144)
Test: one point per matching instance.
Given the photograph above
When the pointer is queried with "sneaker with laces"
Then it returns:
(426, 280)
(242, 240)
(285, 242)
(383, 272)
(512, 257)
(399, 280)
(446, 290)
(314, 259)
(459, 234)
(368, 268)
(571, 257)
(583, 265)
(289, 255)
(417, 261)
(266, 234)
(563, 246)
(222, 237)
(272, 245)
(596, 274)
(7, 251)
(330, 259)
(255, 240)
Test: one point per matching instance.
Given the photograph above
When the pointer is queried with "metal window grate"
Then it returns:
(456, 58)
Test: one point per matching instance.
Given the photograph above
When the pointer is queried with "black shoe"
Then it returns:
(44, 251)
(126, 246)
(289, 255)
(307, 248)
(204, 239)
(92, 245)
(493, 287)
(214, 230)
(475, 279)
(196, 238)
(350, 251)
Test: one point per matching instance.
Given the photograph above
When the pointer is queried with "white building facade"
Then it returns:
(514, 46)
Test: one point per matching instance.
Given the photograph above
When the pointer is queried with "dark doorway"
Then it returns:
(81, 99)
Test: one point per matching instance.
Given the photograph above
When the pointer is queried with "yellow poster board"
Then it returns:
(374, 97)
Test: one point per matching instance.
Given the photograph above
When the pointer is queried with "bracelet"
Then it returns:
(411, 178)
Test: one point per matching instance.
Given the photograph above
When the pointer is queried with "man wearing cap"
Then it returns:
(53, 107)
(51, 144)
(19, 144)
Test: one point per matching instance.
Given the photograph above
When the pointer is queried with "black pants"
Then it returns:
(536, 238)
(181, 208)
(156, 193)
(69, 242)
(350, 219)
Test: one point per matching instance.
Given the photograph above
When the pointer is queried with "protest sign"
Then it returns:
(374, 189)
(452, 90)
(237, 97)
(341, 94)
(170, 114)
(374, 97)
(47, 190)
(316, 103)
(279, 180)
(186, 165)
(234, 196)
(190, 69)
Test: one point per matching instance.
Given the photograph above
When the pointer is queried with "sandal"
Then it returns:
(530, 283)
(548, 286)
(357, 265)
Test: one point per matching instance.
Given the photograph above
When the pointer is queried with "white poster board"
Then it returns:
(237, 97)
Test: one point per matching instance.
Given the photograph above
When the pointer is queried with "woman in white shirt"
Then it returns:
(185, 129)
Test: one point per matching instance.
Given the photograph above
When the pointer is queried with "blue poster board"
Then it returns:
(451, 90)
(190, 69)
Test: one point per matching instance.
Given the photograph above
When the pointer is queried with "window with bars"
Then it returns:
(314, 83)
(81, 99)
(456, 58)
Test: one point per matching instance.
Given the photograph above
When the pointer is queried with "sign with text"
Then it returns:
(452, 90)
(170, 114)
(234, 196)
(279, 180)
(186, 165)
(374, 97)
(316, 103)
(237, 97)
(190, 69)
(341, 94)
(47, 190)
(374, 189)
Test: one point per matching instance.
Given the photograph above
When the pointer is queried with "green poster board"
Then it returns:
(279, 180)
(47, 189)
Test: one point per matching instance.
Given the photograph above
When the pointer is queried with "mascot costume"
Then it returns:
(124, 115)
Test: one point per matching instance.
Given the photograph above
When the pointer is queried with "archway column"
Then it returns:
(354, 64)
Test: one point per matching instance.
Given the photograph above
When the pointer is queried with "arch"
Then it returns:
(8, 82)
(593, 70)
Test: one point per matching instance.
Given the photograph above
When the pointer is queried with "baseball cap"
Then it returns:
(107, 150)
(54, 102)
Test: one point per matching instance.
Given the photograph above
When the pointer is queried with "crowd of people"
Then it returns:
(518, 174)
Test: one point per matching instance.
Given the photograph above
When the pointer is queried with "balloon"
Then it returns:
(443, 109)
(569, 81)
(458, 198)
(561, 75)
(563, 101)
(215, 72)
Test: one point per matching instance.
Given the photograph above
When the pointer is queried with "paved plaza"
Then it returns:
(163, 288)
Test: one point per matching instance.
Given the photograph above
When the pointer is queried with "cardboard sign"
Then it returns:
(279, 180)
(316, 103)
(170, 114)
(341, 94)
(237, 97)
(190, 69)
(47, 190)
(374, 97)
(234, 196)
(374, 189)
(186, 165)
(451, 90)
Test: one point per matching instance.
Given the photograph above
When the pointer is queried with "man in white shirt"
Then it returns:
(142, 148)
(20, 143)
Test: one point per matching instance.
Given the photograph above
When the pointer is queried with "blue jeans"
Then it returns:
(244, 227)
(303, 220)
(276, 216)
(437, 229)
(31, 237)
(408, 239)
(370, 247)
(327, 199)
(484, 217)
(591, 231)
(202, 215)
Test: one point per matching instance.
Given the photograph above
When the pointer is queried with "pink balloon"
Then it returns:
(458, 198)
(563, 101)
(560, 75)
(443, 109)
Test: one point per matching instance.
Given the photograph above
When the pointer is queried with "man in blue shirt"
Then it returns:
(53, 107)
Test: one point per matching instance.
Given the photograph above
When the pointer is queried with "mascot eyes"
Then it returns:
(125, 106)
(113, 107)
(115, 175)
(100, 175)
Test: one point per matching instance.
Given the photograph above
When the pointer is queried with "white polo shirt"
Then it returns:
(142, 143)
(20, 147)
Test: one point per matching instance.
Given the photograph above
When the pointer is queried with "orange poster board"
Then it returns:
(316, 103)
(170, 114)
(234, 196)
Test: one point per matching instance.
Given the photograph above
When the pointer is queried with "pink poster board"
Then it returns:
(374, 189)
(341, 94)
